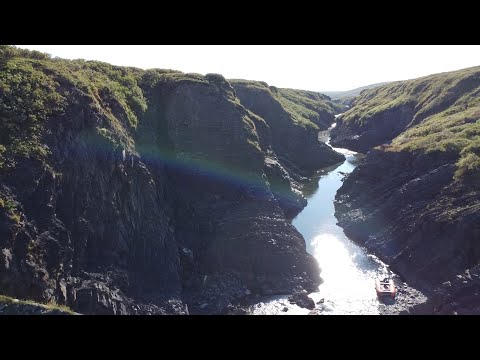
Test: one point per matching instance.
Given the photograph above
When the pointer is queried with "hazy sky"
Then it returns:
(310, 67)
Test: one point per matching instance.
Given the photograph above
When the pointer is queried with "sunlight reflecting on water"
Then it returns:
(348, 274)
(347, 270)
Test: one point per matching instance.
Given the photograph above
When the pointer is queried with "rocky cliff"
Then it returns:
(125, 191)
(278, 107)
(415, 201)
(291, 117)
(380, 114)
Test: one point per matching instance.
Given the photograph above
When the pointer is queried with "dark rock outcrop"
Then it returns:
(144, 192)
(290, 139)
(380, 129)
(295, 142)
(407, 209)
(458, 296)
(301, 299)
(396, 204)
(415, 202)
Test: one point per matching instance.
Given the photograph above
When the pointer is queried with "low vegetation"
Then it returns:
(308, 104)
(35, 88)
(305, 107)
(7, 300)
(446, 115)
(456, 130)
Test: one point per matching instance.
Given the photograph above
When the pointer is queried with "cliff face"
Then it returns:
(378, 130)
(378, 115)
(415, 202)
(288, 129)
(285, 134)
(128, 191)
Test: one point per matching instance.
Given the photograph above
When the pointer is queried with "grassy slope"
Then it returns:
(447, 115)
(34, 89)
(303, 105)
(51, 306)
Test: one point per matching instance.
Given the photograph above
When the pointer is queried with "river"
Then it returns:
(347, 270)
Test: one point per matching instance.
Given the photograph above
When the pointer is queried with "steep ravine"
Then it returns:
(148, 192)
(348, 270)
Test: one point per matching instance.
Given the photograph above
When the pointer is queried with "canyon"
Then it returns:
(130, 191)
(124, 191)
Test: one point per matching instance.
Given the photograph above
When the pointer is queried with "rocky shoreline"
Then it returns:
(408, 299)
(413, 201)
(386, 205)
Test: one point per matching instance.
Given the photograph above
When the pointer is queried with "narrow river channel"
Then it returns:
(347, 270)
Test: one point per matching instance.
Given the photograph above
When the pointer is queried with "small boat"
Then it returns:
(385, 287)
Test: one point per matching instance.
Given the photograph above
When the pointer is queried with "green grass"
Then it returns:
(446, 116)
(427, 95)
(307, 105)
(27, 98)
(302, 105)
(38, 93)
(35, 89)
(310, 100)
(149, 79)
(11, 210)
(50, 306)
(457, 132)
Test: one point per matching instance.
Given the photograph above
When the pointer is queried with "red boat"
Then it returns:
(385, 287)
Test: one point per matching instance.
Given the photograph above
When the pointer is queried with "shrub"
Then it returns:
(215, 78)
(468, 165)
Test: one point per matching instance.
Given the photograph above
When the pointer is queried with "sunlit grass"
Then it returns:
(446, 115)
(305, 107)
(49, 306)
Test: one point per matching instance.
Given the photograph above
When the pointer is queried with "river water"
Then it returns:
(347, 270)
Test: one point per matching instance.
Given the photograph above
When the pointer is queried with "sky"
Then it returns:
(308, 67)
